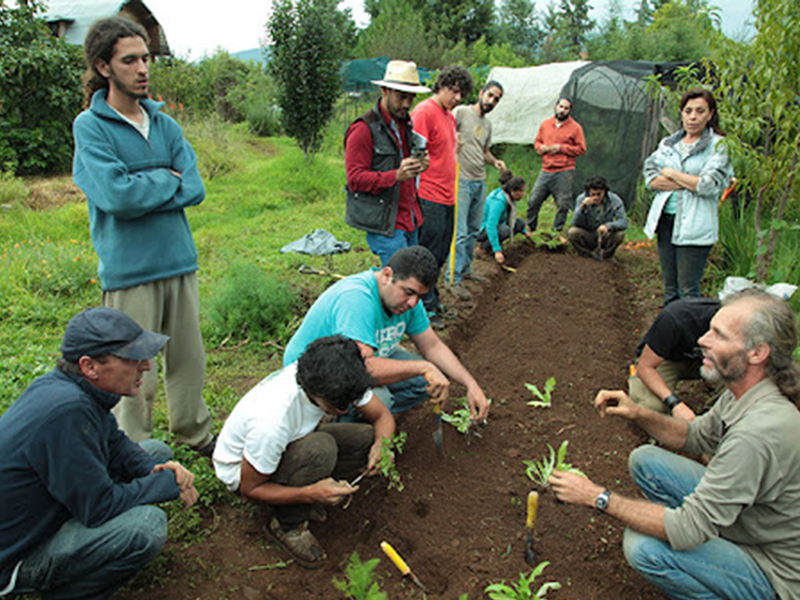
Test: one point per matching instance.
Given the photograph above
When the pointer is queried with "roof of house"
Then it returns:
(78, 17)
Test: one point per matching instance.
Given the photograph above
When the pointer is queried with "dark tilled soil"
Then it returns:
(459, 523)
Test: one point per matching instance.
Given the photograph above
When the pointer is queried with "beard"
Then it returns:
(725, 371)
(562, 116)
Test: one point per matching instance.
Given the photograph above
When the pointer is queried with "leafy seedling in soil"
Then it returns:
(360, 584)
(544, 398)
(551, 240)
(390, 448)
(522, 590)
(540, 471)
(460, 419)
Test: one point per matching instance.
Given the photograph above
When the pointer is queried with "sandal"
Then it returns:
(299, 542)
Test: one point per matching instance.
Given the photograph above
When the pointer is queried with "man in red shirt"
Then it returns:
(560, 141)
(383, 157)
(434, 120)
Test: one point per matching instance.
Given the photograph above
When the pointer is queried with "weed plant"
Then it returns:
(360, 584)
(390, 448)
(250, 305)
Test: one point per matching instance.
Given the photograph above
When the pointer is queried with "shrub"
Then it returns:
(252, 305)
(40, 93)
(215, 148)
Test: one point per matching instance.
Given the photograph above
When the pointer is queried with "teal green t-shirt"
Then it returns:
(352, 308)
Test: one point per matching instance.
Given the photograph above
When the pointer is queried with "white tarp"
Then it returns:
(529, 97)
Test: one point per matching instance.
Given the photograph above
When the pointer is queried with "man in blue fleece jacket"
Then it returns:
(140, 174)
(74, 490)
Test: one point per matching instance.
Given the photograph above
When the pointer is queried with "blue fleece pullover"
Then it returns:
(136, 202)
(64, 457)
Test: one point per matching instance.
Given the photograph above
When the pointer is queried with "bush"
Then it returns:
(40, 93)
(251, 305)
(214, 145)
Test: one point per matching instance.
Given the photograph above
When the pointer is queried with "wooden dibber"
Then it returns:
(530, 525)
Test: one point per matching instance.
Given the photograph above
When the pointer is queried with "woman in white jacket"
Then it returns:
(688, 171)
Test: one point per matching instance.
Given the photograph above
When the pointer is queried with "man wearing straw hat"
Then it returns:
(434, 121)
(383, 158)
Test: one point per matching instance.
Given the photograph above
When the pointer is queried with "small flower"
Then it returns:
(93, 280)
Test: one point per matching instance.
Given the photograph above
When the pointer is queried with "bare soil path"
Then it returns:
(460, 520)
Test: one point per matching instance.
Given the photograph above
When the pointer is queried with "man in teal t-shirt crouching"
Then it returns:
(376, 308)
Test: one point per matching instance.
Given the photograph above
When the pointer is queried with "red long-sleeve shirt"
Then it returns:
(569, 135)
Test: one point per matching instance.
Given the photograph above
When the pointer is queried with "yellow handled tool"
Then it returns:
(530, 524)
(401, 565)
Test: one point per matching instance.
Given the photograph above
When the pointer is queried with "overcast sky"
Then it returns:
(196, 28)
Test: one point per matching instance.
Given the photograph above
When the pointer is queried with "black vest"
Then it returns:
(377, 213)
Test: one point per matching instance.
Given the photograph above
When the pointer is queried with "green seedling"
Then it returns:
(360, 584)
(522, 590)
(459, 418)
(389, 449)
(544, 398)
(540, 471)
(547, 239)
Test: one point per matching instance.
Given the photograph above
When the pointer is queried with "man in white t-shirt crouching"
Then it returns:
(273, 450)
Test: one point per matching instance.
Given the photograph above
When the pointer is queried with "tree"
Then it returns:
(40, 93)
(308, 44)
(518, 26)
(761, 116)
(566, 26)
(399, 31)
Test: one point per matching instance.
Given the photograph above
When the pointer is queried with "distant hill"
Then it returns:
(254, 54)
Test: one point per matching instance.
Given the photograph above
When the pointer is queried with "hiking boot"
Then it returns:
(437, 322)
(446, 313)
(318, 514)
(475, 277)
(299, 542)
(207, 450)
(460, 292)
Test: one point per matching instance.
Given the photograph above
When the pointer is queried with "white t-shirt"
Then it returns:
(272, 415)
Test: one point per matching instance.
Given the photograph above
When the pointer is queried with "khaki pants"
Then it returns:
(172, 307)
(672, 372)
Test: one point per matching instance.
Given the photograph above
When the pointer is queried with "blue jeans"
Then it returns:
(92, 563)
(715, 570)
(560, 186)
(384, 246)
(471, 198)
(397, 397)
(681, 266)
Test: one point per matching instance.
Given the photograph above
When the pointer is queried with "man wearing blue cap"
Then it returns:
(74, 490)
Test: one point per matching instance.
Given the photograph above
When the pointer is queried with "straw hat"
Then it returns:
(402, 75)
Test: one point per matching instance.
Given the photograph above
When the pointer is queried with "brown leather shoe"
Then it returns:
(299, 542)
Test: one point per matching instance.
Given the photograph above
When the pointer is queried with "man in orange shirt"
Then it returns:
(560, 141)
(433, 119)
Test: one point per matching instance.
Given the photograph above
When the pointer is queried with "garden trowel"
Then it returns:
(401, 564)
(437, 433)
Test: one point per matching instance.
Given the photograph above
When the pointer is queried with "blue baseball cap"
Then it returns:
(102, 330)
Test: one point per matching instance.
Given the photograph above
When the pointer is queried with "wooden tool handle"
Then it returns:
(533, 507)
(395, 558)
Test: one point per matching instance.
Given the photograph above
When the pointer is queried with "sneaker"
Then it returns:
(476, 278)
(436, 321)
(207, 450)
(460, 292)
(446, 313)
(299, 542)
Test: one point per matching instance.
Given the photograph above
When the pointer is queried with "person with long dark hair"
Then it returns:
(688, 171)
(500, 221)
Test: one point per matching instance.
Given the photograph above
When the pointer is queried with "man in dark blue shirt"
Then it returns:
(74, 490)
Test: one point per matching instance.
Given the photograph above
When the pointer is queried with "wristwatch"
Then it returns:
(601, 502)
(672, 401)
